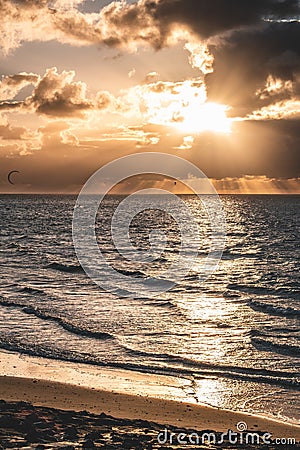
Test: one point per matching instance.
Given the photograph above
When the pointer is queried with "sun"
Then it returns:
(206, 117)
(184, 106)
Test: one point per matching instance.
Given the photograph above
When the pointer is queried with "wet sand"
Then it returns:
(120, 394)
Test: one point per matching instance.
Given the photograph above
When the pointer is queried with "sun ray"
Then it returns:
(182, 105)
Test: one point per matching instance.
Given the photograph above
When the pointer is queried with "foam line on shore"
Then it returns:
(121, 394)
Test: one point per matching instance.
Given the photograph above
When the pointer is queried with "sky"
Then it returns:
(85, 82)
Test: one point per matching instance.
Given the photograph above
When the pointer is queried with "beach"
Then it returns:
(149, 224)
(209, 357)
(120, 394)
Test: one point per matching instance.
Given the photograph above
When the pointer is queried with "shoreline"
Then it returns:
(183, 415)
(121, 394)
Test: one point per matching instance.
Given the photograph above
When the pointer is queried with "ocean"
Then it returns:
(235, 336)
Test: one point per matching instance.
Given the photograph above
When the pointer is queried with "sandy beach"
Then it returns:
(149, 225)
(120, 394)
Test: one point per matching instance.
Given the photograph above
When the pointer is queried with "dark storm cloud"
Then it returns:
(122, 24)
(153, 21)
(244, 61)
(209, 18)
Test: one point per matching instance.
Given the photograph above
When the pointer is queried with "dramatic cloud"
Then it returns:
(10, 106)
(59, 95)
(252, 43)
(254, 68)
(234, 110)
(275, 87)
(12, 84)
(288, 109)
(179, 104)
(200, 57)
(122, 24)
(154, 21)
(211, 18)
(55, 94)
